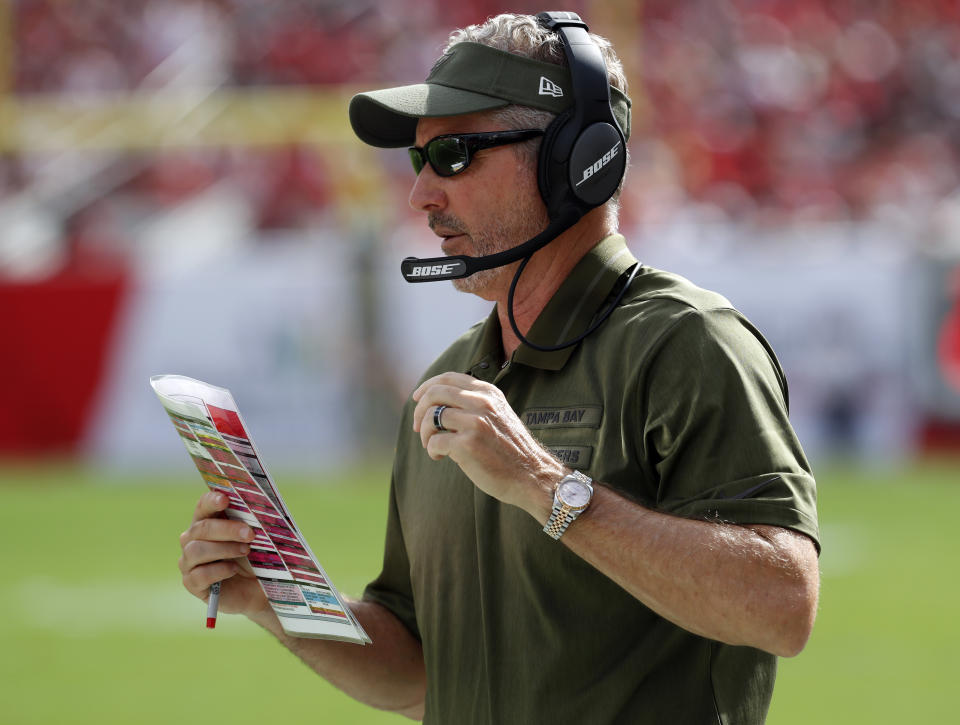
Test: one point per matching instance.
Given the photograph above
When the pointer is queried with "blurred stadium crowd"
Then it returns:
(756, 114)
(811, 109)
(767, 110)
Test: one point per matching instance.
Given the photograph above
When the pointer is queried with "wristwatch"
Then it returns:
(570, 499)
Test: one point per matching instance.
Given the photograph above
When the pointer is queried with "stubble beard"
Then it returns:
(514, 225)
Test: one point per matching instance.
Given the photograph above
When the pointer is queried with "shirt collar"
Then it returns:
(569, 312)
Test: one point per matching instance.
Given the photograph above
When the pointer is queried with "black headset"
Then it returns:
(582, 157)
(581, 164)
(583, 151)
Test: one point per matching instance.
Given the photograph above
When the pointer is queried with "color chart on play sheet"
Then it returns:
(298, 589)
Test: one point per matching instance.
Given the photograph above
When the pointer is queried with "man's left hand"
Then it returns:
(486, 438)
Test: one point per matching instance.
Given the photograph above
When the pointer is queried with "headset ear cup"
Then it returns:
(551, 174)
(597, 164)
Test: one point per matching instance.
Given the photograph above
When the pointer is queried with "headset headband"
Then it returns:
(591, 86)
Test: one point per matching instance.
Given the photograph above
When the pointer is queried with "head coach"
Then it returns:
(599, 512)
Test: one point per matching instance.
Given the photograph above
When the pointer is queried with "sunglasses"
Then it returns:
(451, 154)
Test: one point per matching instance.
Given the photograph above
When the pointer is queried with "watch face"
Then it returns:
(574, 494)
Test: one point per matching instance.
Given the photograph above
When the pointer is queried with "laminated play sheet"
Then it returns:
(299, 590)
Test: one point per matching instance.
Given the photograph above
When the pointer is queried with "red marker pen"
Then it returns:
(212, 604)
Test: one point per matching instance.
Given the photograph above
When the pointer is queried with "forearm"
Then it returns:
(388, 674)
(744, 585)
(753, 586)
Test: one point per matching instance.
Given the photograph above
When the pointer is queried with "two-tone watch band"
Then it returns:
(560, 519)
(563, 513)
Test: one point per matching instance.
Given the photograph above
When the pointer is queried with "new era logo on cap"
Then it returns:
(549, 88)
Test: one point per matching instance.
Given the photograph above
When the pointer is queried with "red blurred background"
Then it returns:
(777, 122)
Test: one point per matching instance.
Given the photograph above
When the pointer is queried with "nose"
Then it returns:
(427, 193)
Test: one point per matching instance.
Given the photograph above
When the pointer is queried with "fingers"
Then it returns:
(454, 380)
(482, 434)
(210, 504)
(434, 396)
(197, 553)
(210, 544)
(209, 522)
(425, 422)
(217, 529)
(454, 390)
(197, 581)
(435, 441)
(466, 402)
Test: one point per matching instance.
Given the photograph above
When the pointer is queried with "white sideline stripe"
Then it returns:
(116, 606)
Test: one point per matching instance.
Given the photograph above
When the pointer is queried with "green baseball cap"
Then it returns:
(469, 77)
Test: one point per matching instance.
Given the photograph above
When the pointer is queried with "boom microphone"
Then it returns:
(436, 269)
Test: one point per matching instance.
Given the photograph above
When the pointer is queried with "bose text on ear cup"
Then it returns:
(582, 154)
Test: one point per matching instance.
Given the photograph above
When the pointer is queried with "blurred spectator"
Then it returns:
(766, 113)
(814, 109)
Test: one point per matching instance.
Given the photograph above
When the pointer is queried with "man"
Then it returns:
(663, 590)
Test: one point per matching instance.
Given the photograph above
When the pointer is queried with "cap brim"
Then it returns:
(388, 118)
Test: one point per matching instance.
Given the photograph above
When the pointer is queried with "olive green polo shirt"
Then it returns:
(677, 402)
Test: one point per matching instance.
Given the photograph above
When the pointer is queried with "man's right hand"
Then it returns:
(213, 548)
(389, 674)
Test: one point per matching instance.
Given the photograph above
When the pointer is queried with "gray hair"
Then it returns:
(523, 35)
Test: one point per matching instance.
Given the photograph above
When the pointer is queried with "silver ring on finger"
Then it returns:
(438, 418)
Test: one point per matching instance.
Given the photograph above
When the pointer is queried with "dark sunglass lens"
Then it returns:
(448, 156)
(416, 159)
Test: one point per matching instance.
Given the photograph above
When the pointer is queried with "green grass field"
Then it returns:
(94, 627)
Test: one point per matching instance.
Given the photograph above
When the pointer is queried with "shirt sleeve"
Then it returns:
(716, 421)
(392, 588)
